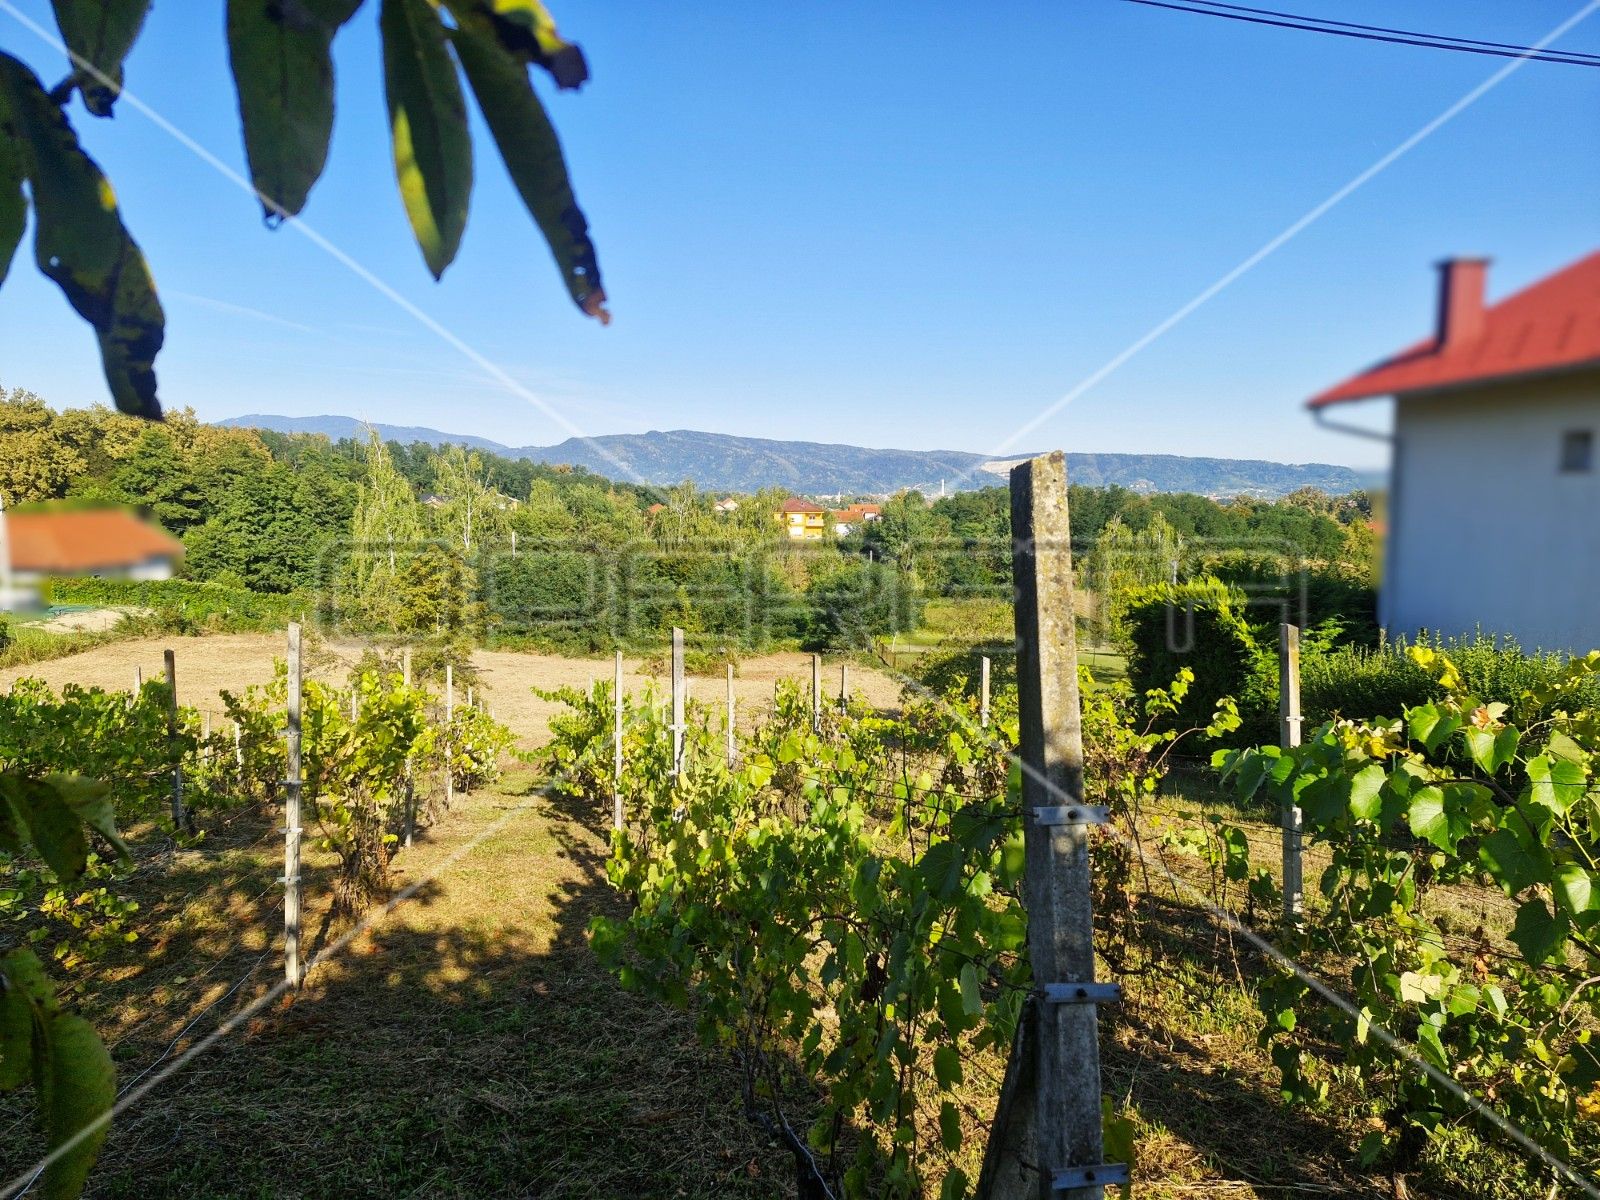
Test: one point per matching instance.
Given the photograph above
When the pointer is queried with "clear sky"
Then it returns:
(894, 225)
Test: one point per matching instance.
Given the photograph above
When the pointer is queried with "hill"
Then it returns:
(721, 462)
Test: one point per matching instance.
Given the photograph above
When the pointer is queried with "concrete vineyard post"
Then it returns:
(728, 732)
(844, 686)
(816, 693)
(293, 971)
(677, 701)
(410, 828)
(1289, 714)
(1046, 1140)
(179, 818)
(616, 745)
(983, 692)
(449, 718)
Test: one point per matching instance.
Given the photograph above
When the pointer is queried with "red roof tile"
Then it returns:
(1551, 325)
(793, 505)
(68, 543)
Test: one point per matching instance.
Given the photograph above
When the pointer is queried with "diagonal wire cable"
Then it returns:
(311, 234)
(1279, 240)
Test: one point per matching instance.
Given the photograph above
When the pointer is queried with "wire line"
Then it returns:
(1371, 33)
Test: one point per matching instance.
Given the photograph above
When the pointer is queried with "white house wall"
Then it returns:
(1486, 531)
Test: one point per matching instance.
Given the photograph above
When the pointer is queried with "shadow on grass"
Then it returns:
(469, 1045)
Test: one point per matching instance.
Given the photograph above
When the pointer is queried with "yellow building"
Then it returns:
(802, 519)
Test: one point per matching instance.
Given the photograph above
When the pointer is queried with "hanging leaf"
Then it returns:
(99, 34)
(428, 122)
(81, 243)
(82, 1087)
(13, 204)
(532, 154)
(283, 71)
(526, 31)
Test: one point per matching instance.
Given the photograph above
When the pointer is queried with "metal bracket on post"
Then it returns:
(1082, 993)
(1065, 1179)
(1072, 814)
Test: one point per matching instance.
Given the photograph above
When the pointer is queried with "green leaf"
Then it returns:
(46, 821)
(947, 1066)
(80, 242)
(532, 154)
(99, 34)
(283, 72)
(1427, 819)
(1557, 784)
(1573, 888)
(1492, 749)
(1538, 933)
(90, 800)
(1432, 727)
(971, 997)
(25, 1000)
(950, 1126)
(1116, 1137)
(1365, 799)
(954, 1186)
(428, 125)
(83, 1085)
(13, 204)
(1513, 859)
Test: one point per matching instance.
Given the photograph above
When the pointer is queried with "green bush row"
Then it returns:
(182, 605)
(1204, 625)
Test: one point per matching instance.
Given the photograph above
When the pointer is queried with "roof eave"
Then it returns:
(1338, 395)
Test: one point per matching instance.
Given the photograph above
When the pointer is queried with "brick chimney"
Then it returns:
(1461, 287)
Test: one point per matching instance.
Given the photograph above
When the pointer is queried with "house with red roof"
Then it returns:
(107, 542)
(1494, 502)
(802, 519)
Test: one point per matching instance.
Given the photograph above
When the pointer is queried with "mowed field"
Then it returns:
(505, 679)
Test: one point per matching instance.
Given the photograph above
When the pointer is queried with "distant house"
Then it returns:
(803, 519)
(103, 542)
(726, 505)
(852, 516)
(1494, 504)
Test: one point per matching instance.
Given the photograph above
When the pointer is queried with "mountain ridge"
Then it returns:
(726, 462)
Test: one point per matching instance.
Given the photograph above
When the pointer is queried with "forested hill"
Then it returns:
(719, 462)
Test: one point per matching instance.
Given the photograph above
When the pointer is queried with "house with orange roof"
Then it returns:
(1494, 500)
(107, 542)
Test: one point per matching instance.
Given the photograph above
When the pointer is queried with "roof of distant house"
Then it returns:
(64, 543)
(1552, 325)
(795, 505)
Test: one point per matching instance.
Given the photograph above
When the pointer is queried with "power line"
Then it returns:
(1371, 33)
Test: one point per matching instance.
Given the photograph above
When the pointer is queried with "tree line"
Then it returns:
(427, 540)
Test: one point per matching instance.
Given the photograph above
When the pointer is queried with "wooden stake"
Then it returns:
(844, 686)
(1046, 1139)
(179, 817)
(293, 971)
(616, 743)
(1289, 714)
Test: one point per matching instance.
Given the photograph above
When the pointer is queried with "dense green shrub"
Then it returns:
(850, 606)
(1199, 625)
(1308, 595)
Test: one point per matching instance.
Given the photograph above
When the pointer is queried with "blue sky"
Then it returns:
(892, 225)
